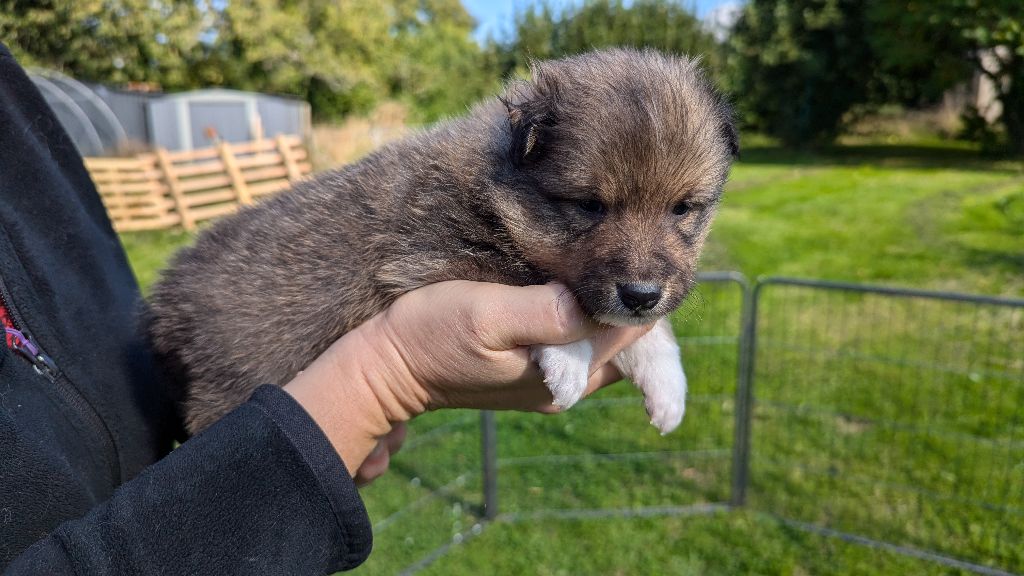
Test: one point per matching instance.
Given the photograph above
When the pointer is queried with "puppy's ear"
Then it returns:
(532, 117)
(528, 137)
(729, 131)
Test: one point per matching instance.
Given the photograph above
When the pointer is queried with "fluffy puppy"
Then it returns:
(603, 172)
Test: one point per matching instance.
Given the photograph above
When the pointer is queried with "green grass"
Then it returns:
(921, 217)
(898, 420)
(149, 252)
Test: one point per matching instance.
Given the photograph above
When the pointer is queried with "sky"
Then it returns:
(494, 17)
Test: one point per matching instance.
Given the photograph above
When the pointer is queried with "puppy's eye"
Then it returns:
(595, 207)
(681, 209)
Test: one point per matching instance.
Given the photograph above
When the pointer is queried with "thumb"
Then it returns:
(527, 315)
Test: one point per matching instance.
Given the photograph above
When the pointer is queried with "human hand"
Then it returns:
(452, 344)
(466, 345)
(377, 462)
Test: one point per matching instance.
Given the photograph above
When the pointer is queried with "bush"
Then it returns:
(975, 128)
(328, 104)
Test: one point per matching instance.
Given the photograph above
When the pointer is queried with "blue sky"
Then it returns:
(495, 16)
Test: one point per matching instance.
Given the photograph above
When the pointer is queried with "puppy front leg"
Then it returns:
(566, 369)
(654, 365)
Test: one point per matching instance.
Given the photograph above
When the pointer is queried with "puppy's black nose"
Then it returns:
(639, 296)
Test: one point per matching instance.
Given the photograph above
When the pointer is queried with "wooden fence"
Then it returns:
(167, 189)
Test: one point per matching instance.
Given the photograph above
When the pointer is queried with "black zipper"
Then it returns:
(47, 368)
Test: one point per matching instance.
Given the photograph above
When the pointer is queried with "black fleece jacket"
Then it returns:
(88, 481)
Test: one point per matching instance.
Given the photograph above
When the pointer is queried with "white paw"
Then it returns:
(566, 370)
(666, 411)
(653, 363)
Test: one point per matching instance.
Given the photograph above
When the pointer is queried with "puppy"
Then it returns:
(602, 173)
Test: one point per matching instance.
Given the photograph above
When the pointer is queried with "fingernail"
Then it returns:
(569, 314)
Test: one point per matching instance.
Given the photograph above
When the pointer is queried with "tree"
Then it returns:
(800, 65)
(346, 56)
(920, 62)
(343, 57)
(939, 43)
(114, 41)
(436, 65)
(325, 51)
(668, 26)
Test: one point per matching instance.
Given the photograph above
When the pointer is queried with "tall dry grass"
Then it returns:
(895, 124)
(334, 145)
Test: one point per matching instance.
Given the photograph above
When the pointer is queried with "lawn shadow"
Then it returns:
(883, 156)
(980, 258)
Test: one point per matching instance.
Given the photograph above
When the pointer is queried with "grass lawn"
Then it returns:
(896, 420)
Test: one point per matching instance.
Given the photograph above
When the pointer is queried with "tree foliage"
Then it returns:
(345, 56)
(799, 65)
(113, 41)
(341, 56)
(796, 68)
(939, 43)
(437, 66)
(541, 32)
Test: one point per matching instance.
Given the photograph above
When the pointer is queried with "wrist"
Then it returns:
(330, 390)
(356, 390)
(385, 372)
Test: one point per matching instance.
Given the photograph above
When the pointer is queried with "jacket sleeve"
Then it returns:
(260, 492)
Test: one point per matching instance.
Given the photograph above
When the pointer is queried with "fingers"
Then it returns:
(396, 437)
(534, 397)
(375, 465)
(496, 325)
(527, 396)
(604, 376)
(548, 314)
(521, 316)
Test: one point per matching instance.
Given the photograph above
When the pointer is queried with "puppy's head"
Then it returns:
(615, 162)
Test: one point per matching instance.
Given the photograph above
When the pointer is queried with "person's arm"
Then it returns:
(260, 492)
(268, 489)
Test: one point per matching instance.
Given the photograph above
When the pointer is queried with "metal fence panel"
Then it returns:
(892, 417)
(458, 467)
(884, 417)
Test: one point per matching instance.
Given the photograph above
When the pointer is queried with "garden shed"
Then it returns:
(204, 117)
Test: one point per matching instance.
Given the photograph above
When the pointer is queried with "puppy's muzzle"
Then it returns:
(639, 296)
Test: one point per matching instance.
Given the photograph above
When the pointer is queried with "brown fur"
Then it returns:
(500, 195)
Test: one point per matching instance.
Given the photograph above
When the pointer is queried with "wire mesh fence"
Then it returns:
(603, 458)
(432, 496)
(893, 416)
(889, 418)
